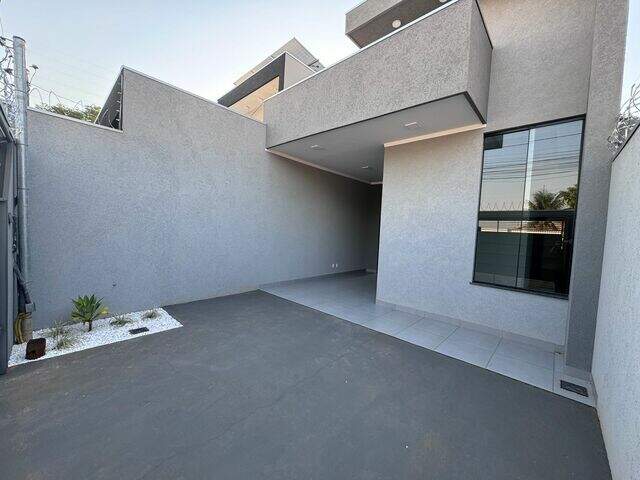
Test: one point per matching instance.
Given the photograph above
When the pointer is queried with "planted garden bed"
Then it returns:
(69, 338)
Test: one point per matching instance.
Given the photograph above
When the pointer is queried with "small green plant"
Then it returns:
(150, 314)
(120, 321)
(58, 328)
(64, 340)
(87, 308)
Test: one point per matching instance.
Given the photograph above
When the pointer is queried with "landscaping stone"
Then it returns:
(36, 348)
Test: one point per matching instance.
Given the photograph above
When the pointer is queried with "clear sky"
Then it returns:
(199, 45)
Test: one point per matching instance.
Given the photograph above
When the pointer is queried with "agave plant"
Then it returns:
(87, 308)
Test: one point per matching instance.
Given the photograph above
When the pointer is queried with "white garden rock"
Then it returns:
(102, 334)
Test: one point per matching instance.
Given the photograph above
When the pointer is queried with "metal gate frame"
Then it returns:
(8, 287)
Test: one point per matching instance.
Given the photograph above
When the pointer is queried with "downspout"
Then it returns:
(22, 101)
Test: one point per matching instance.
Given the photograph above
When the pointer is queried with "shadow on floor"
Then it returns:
(257, 387)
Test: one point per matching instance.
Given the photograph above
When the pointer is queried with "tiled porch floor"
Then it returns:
(352, 297)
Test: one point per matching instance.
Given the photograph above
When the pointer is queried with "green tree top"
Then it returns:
(570, 196)
(546, 200)
(88, 113)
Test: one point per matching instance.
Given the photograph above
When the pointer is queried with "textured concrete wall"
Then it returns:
(184, 204)
(424, 62)
(480, 59)
(541, 60)
(537, 75)
(427, 241)
(616, 357)
(604, 103)
(373, 226)
(294, 71)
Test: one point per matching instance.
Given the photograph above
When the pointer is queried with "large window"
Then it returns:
(527, 208)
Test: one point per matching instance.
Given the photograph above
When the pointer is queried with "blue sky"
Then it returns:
(199, 45)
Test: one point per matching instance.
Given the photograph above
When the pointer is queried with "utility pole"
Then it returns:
(22, 102)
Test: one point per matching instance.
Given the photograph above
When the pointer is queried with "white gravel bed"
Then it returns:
(102, 334)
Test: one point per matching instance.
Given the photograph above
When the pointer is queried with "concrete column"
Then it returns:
(607, 64)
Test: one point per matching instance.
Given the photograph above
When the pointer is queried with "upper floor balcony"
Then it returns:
(372, 19)
(427, 77)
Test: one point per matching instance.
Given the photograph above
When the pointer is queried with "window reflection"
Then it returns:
(528, 201)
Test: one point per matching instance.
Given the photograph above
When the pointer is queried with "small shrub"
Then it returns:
(58, 329)
(87, 309)
(150, 314)
(64, 341)
(120, 321)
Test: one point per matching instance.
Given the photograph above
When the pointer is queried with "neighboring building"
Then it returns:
(288, 65)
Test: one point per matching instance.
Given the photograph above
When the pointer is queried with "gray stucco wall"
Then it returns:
(538, 73)
(480, 60)
(427, 61)
(427, 241)
(294, 71)
(605, 86)
(373, 226)
(616, 358)
(184, 204)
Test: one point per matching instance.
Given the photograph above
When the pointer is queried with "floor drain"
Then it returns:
(572, 387)
(136, 331)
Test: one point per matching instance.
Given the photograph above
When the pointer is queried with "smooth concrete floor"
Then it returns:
(351, 296)
(258, 387)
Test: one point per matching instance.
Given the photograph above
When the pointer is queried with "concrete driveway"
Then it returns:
(257, 387)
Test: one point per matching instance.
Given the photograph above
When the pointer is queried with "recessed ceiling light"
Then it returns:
(396, 23)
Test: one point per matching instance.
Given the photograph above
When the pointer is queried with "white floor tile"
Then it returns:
(391, 322)
(523, 371)
(420, 337)
(466, 352)
(525, 353)
(435, 327)
(408, 318)
(480, 339)
(355, 315)
(373, 309)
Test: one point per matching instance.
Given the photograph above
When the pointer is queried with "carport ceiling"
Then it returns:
(357, 150)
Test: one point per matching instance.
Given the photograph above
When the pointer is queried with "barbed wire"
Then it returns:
(627, 121)
(51, 95)
(43, 97)
(501, 206)
(7, 86)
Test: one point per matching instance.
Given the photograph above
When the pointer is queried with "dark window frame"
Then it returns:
(523, 128)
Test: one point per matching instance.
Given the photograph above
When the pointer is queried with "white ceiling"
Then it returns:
(348, 150)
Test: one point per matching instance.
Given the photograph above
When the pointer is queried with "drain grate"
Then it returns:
(572, 387)
(136, 331)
